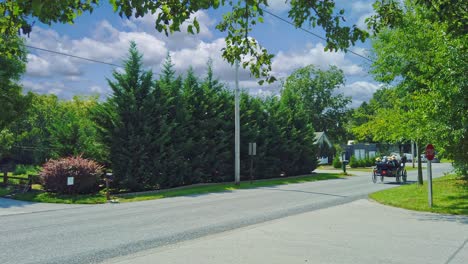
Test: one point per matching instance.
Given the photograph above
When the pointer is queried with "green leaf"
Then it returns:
(196, 24)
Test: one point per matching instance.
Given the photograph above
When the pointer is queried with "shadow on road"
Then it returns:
(398, 183)
(299, 191)
(462, 219)
(8, 203)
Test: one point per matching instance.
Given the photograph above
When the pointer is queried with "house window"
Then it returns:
(360, 153)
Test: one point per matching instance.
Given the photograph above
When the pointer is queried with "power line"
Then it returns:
(73, 56)
(310, 32)
(116, 65)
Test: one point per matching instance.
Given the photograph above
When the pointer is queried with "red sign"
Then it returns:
(430, 152)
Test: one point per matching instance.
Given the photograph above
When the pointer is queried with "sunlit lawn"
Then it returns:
(38, 195)
(450, 196)
(367, 169)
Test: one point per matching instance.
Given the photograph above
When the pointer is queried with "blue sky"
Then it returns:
(104, 36)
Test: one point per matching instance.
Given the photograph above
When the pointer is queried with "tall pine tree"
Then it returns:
(131, 131)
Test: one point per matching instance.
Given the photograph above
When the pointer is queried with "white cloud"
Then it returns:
(46, 66)
(278, 5)
(109, 44)
(115, 49)
(37, 66)
(361, 23)
(286, 62)
(96, 89)
(362, 6)
(47, 87)
(362, 10)
(360, 91)
(177, 40)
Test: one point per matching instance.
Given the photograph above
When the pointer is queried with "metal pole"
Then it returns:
(251, 169)
(429, 181)
(107, 190)
(5, 178)
(343, 163)
(237, 128)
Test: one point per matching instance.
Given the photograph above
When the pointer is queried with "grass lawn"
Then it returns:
(45, 197)
(41, 196)
(408, 168)
(450, 196)
(226, 187)
(4, 191)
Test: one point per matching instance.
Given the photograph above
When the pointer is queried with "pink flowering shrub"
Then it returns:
(85, 172)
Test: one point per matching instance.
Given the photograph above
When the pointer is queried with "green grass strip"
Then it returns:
(226, 187)
(450, 196)
(41, 196)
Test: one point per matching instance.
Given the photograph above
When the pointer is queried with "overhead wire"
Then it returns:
(312, 33)
(73, 56)
(116, 65)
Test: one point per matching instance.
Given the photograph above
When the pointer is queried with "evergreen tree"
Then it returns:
(173, 162)
(131, 131)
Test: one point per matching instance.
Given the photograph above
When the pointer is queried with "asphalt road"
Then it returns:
(90, 234)
(362, 231)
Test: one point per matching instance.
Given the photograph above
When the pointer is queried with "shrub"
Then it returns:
(353, 162)
(86, 175)
(336, 162)
(25, 169)
(370, 161)
(361, 163)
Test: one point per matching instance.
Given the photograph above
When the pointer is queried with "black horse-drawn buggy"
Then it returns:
(389, 168)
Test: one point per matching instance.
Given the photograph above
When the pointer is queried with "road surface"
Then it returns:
(91, 234)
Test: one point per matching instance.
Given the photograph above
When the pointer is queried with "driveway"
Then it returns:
(358, 232)
(13, 207)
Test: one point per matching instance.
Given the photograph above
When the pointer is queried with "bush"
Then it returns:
(361, 163)
(25, 169)
(336, 162)
(86, 175)
(370, 161)
(353, 162)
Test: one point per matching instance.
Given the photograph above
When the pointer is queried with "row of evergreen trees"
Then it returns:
(176, 131)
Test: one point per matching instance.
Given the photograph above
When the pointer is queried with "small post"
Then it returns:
(5, 177)
(107, 190)
(430, 152)
(108, 177)
(429, 181)
(30, 182)
(252, 153)
(343, 163)
(251, 169)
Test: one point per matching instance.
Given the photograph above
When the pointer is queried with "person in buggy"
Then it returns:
(381, 164)
(390, 163)
(394, 162)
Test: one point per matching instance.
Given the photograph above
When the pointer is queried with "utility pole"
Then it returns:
(237, 128)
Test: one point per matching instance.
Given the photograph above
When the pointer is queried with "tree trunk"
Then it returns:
(420, 174)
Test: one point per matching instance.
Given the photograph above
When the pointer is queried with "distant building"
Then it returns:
(364, 150)
(360, 150)
(325, 148)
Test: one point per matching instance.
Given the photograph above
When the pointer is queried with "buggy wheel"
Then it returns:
(381, 178)
(397, 178)
(374, 177)
(404, 175)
